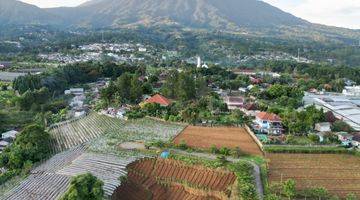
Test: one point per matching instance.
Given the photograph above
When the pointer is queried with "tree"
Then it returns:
(135, 89)
(289, 189)
(32, 144)
(339, 126)
(84, 187)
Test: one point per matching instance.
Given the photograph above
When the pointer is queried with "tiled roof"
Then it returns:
(159, 99)
(268, 116)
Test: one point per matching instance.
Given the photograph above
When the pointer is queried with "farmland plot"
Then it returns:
(134, 130)
(337, 173)
(170, 179)
(51, 179)
(71, 134)
(231, 137)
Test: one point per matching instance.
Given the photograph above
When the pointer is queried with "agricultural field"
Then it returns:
(339, 174)
(206, 137)
(171, 179)
(51, 179)
(10, 76)
(114, 132)
(140, 130)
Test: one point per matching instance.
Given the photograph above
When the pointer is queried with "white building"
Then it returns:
(198, 62)
(323, 127)
(351, 91)
(268, 123)
(234, 102)
(9, 135)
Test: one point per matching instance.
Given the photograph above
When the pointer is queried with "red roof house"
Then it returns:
(159, 99)
(268, 117)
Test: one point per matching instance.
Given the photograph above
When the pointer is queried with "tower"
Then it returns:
(198, 62)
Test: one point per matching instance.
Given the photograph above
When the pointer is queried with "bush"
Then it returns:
(183, 145)
(307, 149)
(84, 187)
(314, 138)
(237, 153)
(214, 149)
(225, 151)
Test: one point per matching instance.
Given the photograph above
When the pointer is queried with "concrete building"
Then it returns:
(352, 91)
(268, 123)
(343, 107)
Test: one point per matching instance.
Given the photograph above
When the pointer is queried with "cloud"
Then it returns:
(342, 13)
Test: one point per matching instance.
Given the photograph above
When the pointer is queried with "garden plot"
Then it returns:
(51, 179)
(230, 137)
(40, 187)
(170, 179)
(108, 168)
(143, 130)
(71, 134)
(339, 174)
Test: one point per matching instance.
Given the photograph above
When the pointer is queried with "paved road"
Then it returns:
(257, 173)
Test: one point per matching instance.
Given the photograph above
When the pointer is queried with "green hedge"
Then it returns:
(309, 150)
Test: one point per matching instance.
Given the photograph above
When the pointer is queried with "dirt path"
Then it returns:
(257, 174)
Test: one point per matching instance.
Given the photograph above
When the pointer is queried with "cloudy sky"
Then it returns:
(342, 13)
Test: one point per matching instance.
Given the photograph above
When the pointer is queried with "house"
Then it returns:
(323, 127)
(159, 99)
(255, 80)
(5, 64)
(356, 140)
(10, 135)
(3, 145)
(75, 91)
(268, 123)
(345, 138)
(234, 102)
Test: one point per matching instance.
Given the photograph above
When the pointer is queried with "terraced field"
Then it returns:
(51, 179)
(337, 173)
(169, 179)
(70, 134)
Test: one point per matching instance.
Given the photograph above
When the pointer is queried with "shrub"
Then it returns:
(214, 149)
(225, 151)
(314, 138)
(183, 145)
(84, 187)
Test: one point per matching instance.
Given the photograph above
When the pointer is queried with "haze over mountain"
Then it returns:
(249, 16)
(227, 14)
(18, 13)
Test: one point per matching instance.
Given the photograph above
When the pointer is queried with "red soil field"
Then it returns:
(339, 174)
(169, 179)
(231, 137)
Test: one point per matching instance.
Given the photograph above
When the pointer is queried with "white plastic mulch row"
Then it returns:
(108, 168)
(51, 179)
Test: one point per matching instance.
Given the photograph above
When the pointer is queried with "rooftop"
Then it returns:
(268, 116)
(159, 99)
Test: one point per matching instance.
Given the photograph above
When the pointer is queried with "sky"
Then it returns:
(341, 13)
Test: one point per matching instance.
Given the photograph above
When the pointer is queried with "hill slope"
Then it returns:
(228, 14)
(18, 13)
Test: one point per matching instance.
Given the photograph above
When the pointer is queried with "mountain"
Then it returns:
(218, 14)
(249, 17)
(18, 13)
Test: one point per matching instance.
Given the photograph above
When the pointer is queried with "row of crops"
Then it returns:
(77, 132)
(170, 179)
(51, 179)
(108, 168)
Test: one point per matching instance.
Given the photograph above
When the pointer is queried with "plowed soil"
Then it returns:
(339, 174)
(169, 179)
(231, 137)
